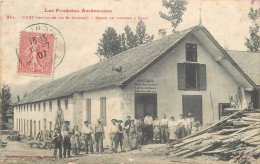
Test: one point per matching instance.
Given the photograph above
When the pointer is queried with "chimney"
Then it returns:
(161, 33)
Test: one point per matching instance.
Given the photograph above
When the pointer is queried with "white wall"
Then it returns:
(169, 98)
(39, 115)
(113, 108)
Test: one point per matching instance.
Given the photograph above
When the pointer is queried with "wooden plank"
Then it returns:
(250, 119)
(213, 125)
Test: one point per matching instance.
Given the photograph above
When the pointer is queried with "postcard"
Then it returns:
(130, 81)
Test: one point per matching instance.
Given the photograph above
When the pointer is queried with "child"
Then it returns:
(57, 141)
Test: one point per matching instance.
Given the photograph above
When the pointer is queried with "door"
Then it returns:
(145, 103)
(192, 104)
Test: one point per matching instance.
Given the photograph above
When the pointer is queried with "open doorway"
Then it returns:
(192, 104)
(145, 103)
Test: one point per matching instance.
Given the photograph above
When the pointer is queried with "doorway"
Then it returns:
(145, 103)
(192, 104)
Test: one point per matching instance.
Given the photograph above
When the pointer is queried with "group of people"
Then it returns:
(169, 130)
(71, 140)
(134, 131)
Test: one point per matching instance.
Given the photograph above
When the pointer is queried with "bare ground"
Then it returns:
(17, 152)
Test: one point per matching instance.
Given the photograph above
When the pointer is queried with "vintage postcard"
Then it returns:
(130, 81)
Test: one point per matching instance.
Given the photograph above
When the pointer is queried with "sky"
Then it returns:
(226, 20)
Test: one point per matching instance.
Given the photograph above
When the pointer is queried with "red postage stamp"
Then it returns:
(36, 53)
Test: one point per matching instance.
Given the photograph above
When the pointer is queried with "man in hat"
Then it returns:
(66, 143)
(112, 132)
(99, 135)
(57, 141)
(119, 135)
(148, 122)
(127, 127)
(87, 131)
(164, 128)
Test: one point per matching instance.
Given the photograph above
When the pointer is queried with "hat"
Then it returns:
(129, 116)
(114, 120)
(132, 120)
(119, 121)
(86, 122)
(189, 114)
(99, 120)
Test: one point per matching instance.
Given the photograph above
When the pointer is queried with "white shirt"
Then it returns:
(164, 122)
(148, 120)
(156, 123)
(172, 123)
(87, 130)
(113, 128)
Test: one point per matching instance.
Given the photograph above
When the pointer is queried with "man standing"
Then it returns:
(181, 127)
(164, 128)
(87, 131)
(112, 132)
(148, 122)
(119, 135)
(100, 135)
(57, 141)
(190, 121)
(66, 141)
(127, 127)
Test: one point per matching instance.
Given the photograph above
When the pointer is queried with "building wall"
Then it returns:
(113, 108)
(169, 99)
(39, 115)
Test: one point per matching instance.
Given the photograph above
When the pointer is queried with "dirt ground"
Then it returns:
(17, 152)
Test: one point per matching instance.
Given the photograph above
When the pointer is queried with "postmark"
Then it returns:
(42, 49)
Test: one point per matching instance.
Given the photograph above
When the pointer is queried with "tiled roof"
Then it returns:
(102, 75)
(249, 62)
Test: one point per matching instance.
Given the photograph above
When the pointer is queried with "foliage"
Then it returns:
(176, 9)
(112, 43)
(129, 39)
(5, 102)
(141, 35)
(253, 42)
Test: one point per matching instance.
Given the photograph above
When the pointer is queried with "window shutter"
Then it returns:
(202, 77)
(181, 76)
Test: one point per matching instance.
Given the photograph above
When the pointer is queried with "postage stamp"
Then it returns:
(41, 50)
(36, 53)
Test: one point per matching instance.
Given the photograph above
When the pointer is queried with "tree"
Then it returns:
(130, 39)
(6, 102)
(176, 10)
(110, 44)
(141, 35)
(253, 42)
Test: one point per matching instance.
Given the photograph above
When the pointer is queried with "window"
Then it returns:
(50, 106)
(103, 110)
(58, 103)
(44, 106)
(44, 124)
(50, 126)
(191, 76)
(39, 128)
(66, 104)
(191, 52)
(88, 110)
(27, 107)
(24, 107)
(34, 106)
(39, 106)
(30, 107)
